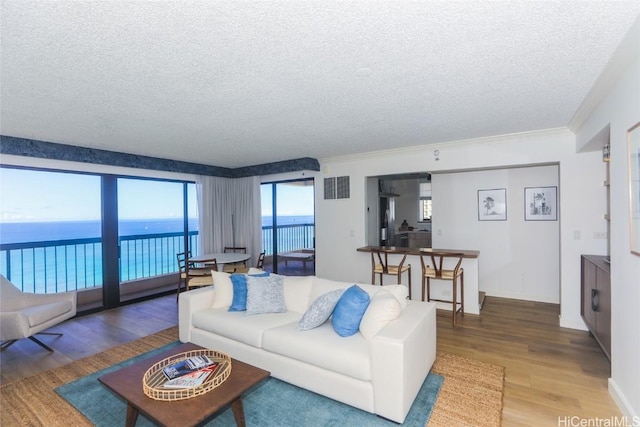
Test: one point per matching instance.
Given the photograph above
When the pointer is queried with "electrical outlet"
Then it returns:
(576, 235)
(600, 235)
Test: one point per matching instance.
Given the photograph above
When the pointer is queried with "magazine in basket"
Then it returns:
(186, 366)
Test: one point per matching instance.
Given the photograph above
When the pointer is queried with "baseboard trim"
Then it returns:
(622, 402)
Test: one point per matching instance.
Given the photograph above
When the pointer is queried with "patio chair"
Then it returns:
(23, 314)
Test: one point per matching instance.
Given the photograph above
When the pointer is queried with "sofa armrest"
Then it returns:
(189, 303)
(402, 354)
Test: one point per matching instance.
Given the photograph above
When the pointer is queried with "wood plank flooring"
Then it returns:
(551, 372)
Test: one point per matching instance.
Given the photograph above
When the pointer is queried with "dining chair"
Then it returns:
(435, 270)
(260, 263)
(199, 275)
(182, 258)
(234, 266)
(380, 266)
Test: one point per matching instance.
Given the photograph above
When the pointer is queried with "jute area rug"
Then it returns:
(471, 394)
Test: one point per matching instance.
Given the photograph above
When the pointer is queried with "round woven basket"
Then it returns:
(154, 379)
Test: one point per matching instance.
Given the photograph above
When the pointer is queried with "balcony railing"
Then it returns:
(289, 237)
(67, 265)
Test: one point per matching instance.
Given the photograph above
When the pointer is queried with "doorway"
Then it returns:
(288, 227)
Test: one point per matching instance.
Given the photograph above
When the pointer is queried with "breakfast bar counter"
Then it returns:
(416, 251)
(469, 264)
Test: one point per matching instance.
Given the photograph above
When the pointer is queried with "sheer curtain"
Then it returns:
(229, 214)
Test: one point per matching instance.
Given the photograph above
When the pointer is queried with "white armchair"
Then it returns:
(23, 314)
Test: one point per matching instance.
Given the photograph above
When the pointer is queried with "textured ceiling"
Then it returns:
(233, 84)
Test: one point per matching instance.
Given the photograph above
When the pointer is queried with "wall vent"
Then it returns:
(336, 188)
(329, 188)
(342, 184)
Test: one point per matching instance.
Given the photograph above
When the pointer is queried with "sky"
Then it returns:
(27, 195)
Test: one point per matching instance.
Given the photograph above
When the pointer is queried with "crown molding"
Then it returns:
(418, 149)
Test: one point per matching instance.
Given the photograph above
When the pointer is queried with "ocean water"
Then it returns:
(36, 263)
(17, 232)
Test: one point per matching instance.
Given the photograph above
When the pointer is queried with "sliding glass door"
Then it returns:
(288, 227)
(151, 231)
(50, 231)
(110, 238)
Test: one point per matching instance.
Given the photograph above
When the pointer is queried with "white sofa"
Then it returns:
(381, 375)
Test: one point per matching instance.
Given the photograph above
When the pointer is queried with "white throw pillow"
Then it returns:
(383, 308)
(224, 289)
(401, 292)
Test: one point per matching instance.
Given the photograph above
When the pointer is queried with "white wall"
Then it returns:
(519, 259)
(620, 109)
(341, 224)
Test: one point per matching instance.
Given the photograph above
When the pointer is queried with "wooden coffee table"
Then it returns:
(127, 383)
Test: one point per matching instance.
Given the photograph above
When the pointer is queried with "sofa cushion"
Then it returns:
(383, 308)
(320, 310)
(265, 295)
(349, 310)
(322, 286)
(236, 325)
(322, 347)
(296, 292)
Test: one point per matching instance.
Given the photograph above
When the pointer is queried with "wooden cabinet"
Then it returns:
(420, 239)
(413, 239)
(596, 299)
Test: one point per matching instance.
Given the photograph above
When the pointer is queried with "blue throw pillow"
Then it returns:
(239, 281)
(349, 311)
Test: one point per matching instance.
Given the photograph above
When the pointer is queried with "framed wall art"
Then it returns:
(541, 203)
(492, 205)
(633, 151)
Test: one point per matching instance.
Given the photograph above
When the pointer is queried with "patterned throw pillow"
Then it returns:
(265, 295)
(349, 311)
(320, 310)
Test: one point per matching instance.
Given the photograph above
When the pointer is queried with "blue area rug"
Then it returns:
(271, 403)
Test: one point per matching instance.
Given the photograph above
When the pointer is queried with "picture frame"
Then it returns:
(492, 204)
(633, 173)
(541, 203)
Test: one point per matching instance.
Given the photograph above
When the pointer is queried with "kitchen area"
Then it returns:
(399, 210)
(398, 214)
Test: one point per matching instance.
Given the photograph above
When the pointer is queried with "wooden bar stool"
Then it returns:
(380, 265)
(437, 272)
